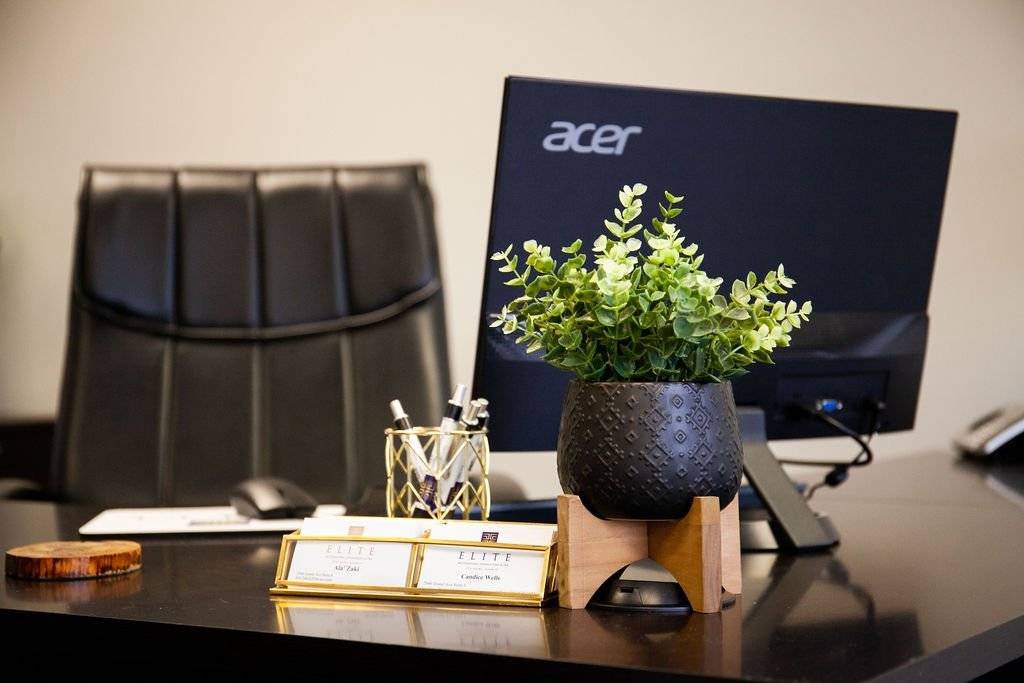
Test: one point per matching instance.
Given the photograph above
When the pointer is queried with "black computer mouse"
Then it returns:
(271, 498)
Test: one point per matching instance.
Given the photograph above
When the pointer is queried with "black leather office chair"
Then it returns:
(226, 324)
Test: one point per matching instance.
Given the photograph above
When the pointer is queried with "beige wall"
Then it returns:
(295, 82)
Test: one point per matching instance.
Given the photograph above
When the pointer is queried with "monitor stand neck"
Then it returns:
(789, 525)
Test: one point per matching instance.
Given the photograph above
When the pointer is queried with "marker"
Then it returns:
(419, 462)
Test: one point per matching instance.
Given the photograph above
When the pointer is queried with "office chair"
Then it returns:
(226, 324)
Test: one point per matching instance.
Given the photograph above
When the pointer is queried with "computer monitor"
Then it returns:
(848, 196)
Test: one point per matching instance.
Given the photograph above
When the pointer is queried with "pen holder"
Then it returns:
(446, 458)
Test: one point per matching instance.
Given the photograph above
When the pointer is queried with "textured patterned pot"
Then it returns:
(643, 450)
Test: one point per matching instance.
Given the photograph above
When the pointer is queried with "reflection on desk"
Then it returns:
(489, 630)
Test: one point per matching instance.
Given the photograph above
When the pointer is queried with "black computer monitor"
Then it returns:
(848, 196)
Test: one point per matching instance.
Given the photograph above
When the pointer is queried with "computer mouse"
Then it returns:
(271, 498)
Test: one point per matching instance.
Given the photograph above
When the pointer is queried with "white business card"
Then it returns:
(354, 562)
(350, 563)
(486, 569)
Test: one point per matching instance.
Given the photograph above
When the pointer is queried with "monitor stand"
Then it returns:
(786, 524)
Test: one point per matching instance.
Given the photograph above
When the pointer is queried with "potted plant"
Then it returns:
(649, 420)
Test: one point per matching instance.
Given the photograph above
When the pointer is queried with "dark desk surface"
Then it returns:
(926, 586)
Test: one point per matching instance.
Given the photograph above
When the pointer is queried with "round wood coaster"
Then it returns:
(73, 559)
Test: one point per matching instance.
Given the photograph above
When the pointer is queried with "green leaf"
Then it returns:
(606, 317)
(574, 360)
(632, 231)
(639, 189)
(573, 248)
(545, 264)
(739, 290)
(751, 280)
(738, 314)
(682, 328)
(703, 328)
(625, 367)
(530, 246)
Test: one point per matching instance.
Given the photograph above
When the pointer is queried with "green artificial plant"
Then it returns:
(644, 311)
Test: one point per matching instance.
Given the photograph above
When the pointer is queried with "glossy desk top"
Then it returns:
(927, 582)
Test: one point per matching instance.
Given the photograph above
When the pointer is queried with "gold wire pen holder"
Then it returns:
(413, 456)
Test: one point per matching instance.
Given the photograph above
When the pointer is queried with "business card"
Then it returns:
(479, 568)
(350, 563)
(354, 562)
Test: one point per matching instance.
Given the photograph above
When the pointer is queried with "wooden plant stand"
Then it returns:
(702, 551)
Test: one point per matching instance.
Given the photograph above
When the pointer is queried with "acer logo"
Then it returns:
(588, 137)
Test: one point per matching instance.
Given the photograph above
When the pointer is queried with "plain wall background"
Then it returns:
(220, 82)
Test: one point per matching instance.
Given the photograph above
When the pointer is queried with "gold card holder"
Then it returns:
(453, 456)
(528, 571)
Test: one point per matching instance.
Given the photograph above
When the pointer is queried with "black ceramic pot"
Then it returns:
(643, 450)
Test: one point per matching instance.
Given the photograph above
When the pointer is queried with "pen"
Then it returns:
(449, 423)
(420, 464)
(471, 457)
(462, 459)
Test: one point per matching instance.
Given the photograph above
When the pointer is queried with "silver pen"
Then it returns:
(418, 458)
(449, 423)
(450, 485)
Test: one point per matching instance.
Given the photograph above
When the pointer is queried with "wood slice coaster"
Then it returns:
(73, 559)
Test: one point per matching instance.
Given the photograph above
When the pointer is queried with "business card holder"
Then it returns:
(546, 584)
(449, 453)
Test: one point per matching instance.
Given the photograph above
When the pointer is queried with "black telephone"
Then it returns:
(995, 435)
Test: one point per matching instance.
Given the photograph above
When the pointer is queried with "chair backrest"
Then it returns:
(226, 324)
